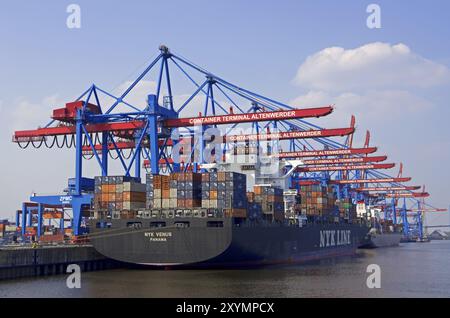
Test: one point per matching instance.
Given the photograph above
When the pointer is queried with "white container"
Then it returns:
(205, 204)
(213, 204)
(165, 203)
(157, 203)
(133, 205)
(173, 203)
(157, 194)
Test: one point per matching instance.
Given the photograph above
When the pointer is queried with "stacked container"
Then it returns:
(118, 197)
(192, 187)
(292, 204)
(231, 194)
(317, 200)
(177, 190)
(271, 200)
(347, 210)
(149, 192)
(225, 191)
(254, 209)
(160, 197)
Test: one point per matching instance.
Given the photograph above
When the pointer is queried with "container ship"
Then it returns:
(383, 233)
(211, 219)
(230, 210)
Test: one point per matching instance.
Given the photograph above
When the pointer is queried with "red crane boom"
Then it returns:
(344, 160)
(408, 195)
(380, 189)
(349, 167)
(290, 135)
(249, 117)
(325, 153)
(25, 135)
(385, 180)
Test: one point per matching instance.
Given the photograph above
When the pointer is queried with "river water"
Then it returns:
(410, 270)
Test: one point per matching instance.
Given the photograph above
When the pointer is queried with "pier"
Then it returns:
(19, 262)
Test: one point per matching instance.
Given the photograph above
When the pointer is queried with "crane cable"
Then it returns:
(24, 147)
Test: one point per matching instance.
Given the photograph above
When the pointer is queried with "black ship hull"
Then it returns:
(382, 240)
(201, 242)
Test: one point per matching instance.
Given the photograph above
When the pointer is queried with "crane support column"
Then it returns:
(405, 219)
(138, 149)
(30, 217)
(61, 222)
(419, 221)
(18, 218)
(78, 153)
(24, 219)
(394, 212)
(105, 151)
(39, 225)
(153, 134)
(154, 111)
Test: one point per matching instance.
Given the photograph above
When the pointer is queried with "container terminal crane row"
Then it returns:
(98, 130)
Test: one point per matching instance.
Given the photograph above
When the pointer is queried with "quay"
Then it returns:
(26, 261)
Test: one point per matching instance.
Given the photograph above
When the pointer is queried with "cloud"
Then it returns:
(372, 104)
(138, 95)
(26, 114)
(377, 82)
(374, 65)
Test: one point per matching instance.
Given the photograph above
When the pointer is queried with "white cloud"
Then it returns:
(26, 114)
(374, 65)
(376, 82)
(138, 95)
(372, 104)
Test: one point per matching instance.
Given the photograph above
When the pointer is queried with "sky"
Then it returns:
(395, 79)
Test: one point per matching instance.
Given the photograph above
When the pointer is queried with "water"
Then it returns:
(410, 270)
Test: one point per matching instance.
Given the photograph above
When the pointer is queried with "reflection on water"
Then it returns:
(411, 270)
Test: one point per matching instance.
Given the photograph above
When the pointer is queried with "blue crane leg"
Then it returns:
(153, 134)
(78, 156)
(24, 219)
(105, 151)
(39, 225)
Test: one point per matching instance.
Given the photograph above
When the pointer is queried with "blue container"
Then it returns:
(86, 184)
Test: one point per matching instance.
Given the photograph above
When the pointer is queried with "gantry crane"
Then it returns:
(164, 129)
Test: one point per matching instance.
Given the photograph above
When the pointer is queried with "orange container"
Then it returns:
(52, 238)
(157, 182)
(133, 197)
(190, 203)
(221, 176)
(236, 213)
(52, 215)
(31, 230)
(165, 193)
